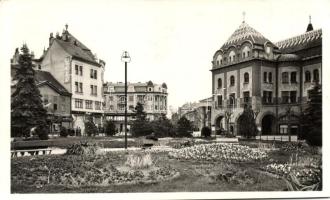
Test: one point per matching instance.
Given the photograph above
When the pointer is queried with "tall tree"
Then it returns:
(27, 110)
(141, 125)
(247, 124)
(311, 119)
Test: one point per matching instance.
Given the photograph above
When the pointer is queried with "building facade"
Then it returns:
(273, 78)
(56, 99)
(199, 113)
(152, 96)
(75, 67)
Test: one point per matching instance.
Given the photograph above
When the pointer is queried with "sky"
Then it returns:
(169, 41)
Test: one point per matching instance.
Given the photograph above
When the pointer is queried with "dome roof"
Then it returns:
(288, 57)
(164, 85)
(244, 33)
(150, 84)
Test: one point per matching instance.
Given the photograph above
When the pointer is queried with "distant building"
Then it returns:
(152, 96)
(199, 113)
(75, 67)
(274, 78)
(56, 99)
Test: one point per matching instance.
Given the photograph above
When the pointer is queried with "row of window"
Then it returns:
(140, 98)
(268, 77)
(79, 88)
(287, 97)
(121, 107)
(88, 104)
(232, 57)
(79, 71)
(232, 80)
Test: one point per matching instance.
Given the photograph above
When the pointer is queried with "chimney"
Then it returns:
(58, 36)
(51, 39)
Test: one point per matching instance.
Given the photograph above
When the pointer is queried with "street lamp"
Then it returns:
(125, 58)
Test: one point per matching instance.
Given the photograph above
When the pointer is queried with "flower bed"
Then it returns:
(76, 171)
(307, 175)
(219, 151)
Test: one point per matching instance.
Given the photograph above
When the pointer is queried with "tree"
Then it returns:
(90, 127)
(206, 131)
(110, 128)
(140, 126)
(27, 109)
(162, 127)
(247, 124)
(311, 119)
(184, 128)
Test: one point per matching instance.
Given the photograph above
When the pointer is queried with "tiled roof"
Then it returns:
(75, 48)
(43, 77)
(243, 33)
(300, 41)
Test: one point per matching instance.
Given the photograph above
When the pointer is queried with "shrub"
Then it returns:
(139, 161)
(64, 132)
(206, 131)
(71, 132)
(163, 127)
(90, 128)
(110, 128)
(83, 148)
(42, 132)
(184, 128)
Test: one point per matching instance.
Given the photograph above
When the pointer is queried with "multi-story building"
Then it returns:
(199, 113)
(152, 96)
(75, 67)
(56, 98)
(274, 78)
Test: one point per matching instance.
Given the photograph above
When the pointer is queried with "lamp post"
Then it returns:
(125, 58)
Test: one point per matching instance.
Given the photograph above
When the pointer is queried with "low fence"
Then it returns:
(283, 138)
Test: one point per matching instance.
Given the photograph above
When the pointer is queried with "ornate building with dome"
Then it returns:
(273, 78)
(152, 96)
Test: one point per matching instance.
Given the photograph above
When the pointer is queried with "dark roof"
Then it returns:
(300, 42)
(43, 77)
(75, 48)
(288, 57)
(245, 33)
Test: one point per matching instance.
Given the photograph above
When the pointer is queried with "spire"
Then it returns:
(66, 27)
(310, 26)
(244, 16)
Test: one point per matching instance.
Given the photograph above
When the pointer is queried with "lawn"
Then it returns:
(198, 168)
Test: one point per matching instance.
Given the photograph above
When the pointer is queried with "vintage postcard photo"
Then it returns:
(173, 99)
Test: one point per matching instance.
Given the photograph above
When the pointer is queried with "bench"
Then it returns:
(14, 153)
(147, 145)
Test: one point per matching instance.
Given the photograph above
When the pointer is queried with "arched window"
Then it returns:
(246, 51)
(219, 59)
(270, 77)
(232, 56)
(265, 77)
(232, 80)
(285, 77)
(307, 76)
(219, 83)
(316, 77)
(246, 77)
